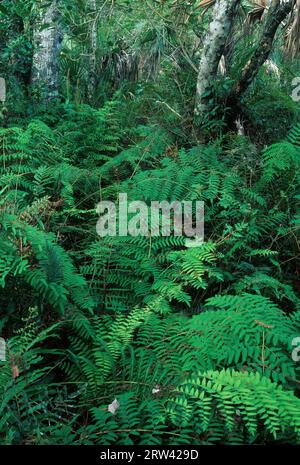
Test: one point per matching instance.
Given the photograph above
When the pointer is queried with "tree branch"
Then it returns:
(277, 13)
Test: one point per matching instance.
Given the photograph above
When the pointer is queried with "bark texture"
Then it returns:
(46, 41)
(2, 90)
(93, 49)
(293, 34)
(224, 12)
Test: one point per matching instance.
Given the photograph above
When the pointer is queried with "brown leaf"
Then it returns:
(15, 371)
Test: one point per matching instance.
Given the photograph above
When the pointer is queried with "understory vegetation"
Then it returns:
(142, 340)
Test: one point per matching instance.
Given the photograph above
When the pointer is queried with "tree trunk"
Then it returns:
(223, 14)
(292, 44)
(46, 42)
(93, 49)
(279, 10)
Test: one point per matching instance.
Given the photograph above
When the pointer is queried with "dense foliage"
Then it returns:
(190, 345)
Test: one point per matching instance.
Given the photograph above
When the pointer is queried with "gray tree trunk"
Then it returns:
(92, 79)
(46, 43)
(223, 14)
